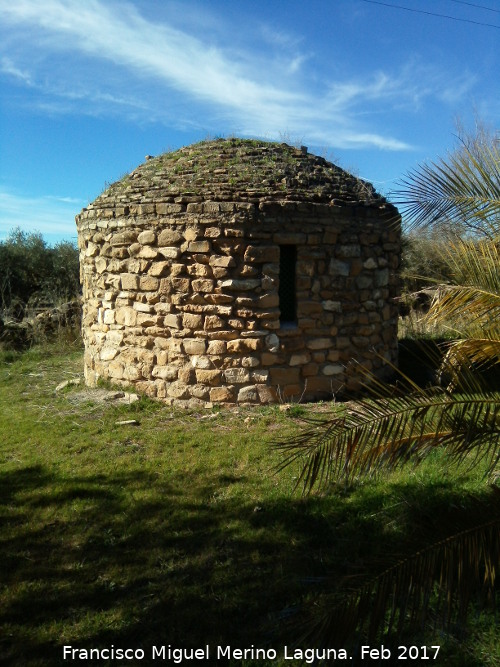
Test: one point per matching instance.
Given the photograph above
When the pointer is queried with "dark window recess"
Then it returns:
(287, 292)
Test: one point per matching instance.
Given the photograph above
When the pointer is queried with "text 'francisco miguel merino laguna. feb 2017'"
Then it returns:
(177, 656)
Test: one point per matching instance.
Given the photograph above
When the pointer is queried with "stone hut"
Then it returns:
(239, 271)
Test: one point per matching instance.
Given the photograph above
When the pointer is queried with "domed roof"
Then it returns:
(240, 170)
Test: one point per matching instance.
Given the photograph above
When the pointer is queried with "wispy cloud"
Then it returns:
(51, 215)
(167, 69)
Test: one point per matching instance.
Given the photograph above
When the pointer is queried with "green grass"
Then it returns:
(176, 531)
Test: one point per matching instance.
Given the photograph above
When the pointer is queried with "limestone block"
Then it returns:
(191, 234)
(267, 394)
(202, 362)
(126, 316)
(214, 322)
(217, 347)
(159, 269)
(332, 306)
(261, 253)
(244, 345)
(382, 278)
(249, 362)
(319, 343)
(272, 342)
(101, 265)
(222, 261)
(300, 359)
(208, 377)
(178, 390)
(199, 391)
(248, 395)
(370, 263)
(169, 252)
(199, 246)
(194, 345)
(199, 270)
(236, 375)
(169, 237)
(108, 353)
(337, 267)
(284, 376)
(270, 300)
(172, 321)
(186, 375)
(115, 369)
(259, 375)
(166, 209)
(146, 320)
(148, 283)
(143, 307)
(236, 285)
(109, 317)
(222, 395)
(348, 250)
(123, 238)
(333, 369)
(192, 321)
(147, 252)
(309, 370)
(147, 237)
(131, 373)
(202, 285)
(212, 232)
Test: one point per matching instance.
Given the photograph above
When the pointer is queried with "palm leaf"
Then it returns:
(440, 580)
(462, 190)
(374, 435)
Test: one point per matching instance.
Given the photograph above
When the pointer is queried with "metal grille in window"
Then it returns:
(287, 291)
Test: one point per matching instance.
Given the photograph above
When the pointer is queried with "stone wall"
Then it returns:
(181, 296)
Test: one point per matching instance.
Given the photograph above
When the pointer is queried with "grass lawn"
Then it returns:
(175, 531)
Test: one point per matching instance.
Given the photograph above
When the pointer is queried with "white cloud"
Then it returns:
(51, 215)
(165, 67)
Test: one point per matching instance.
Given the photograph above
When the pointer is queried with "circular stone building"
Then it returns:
(238, 271)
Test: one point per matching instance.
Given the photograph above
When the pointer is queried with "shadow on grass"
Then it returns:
(137, 561)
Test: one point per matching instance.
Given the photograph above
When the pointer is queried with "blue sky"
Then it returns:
(88, 88)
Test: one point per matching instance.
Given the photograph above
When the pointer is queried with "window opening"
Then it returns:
(287, 290)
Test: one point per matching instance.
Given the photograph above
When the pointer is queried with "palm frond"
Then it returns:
(382, 434)
(464, 189)
(440, 580)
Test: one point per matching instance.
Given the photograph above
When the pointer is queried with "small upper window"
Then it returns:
(287, 291)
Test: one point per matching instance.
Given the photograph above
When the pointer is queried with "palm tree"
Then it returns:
(461, 194)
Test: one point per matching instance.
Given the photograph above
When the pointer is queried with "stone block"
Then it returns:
(222, 261)
(262, 253)
(319, 343)
(192, 321)
(214, 322)
(148, 283)
(169, 252)
(169, 237)
(159, 269)
(217, 347)
(199, 246)
(333, 369)
(248, 395)
(222, 395)
(208, 377)
(236, 285)
(172, 321)
(194, 345)
(284, 376)
(147, 237)
(337, 267)
(236, 375)
(202, 285)
(244, 345)
(300, 359)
